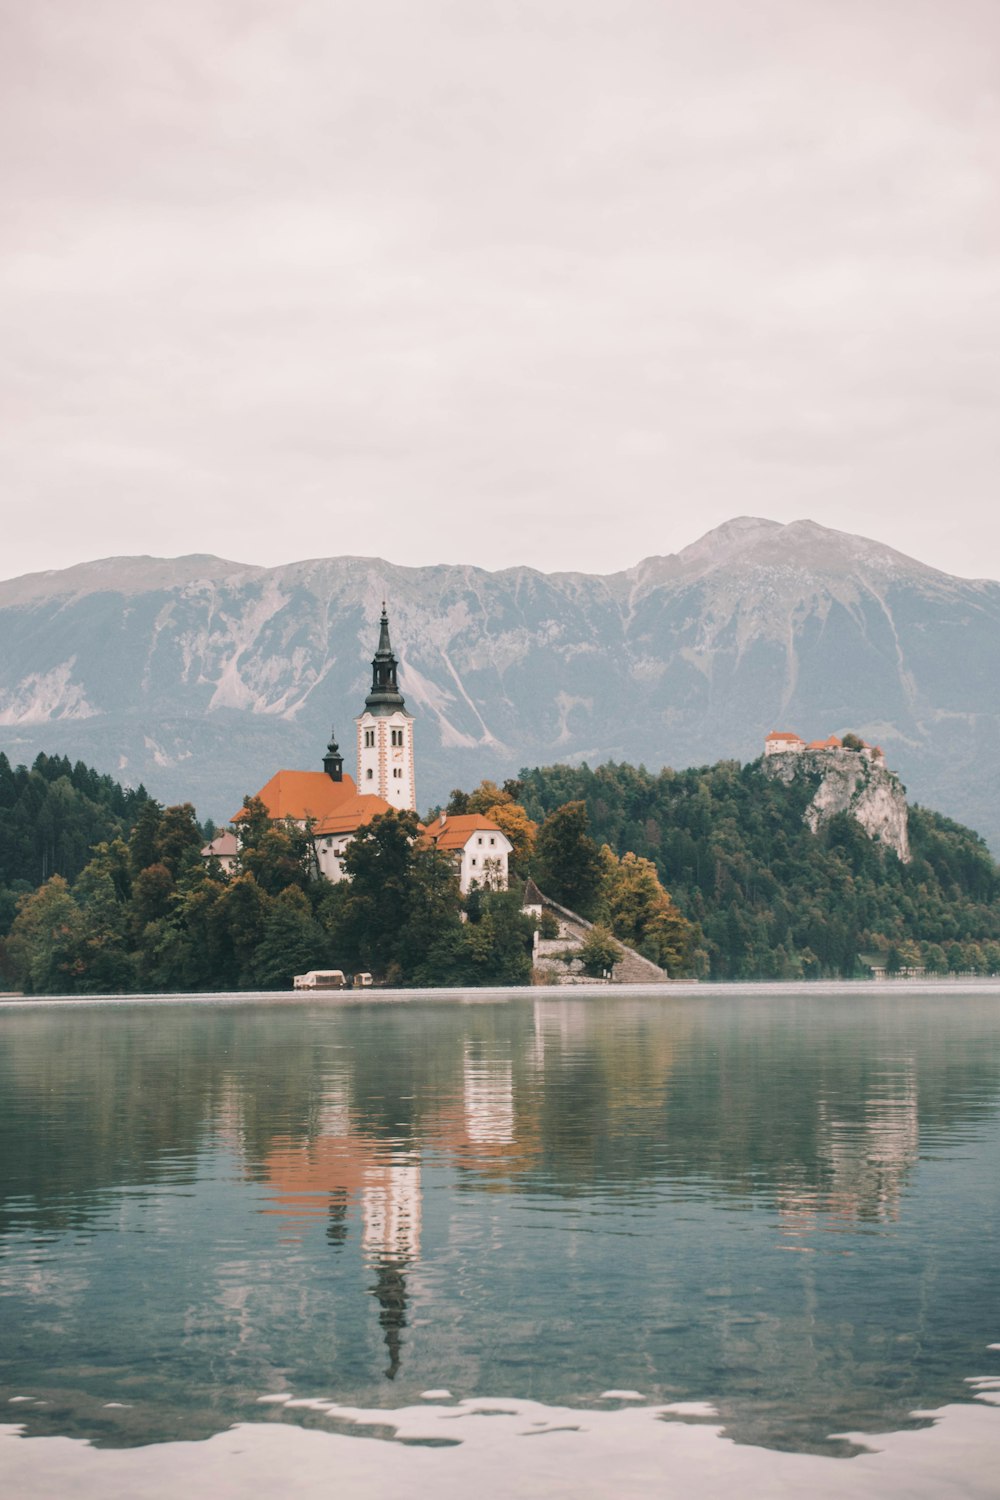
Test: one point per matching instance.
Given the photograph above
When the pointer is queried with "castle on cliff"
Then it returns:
(784, 742)
(850, 777)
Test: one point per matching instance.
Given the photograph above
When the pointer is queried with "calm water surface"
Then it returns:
(784, 1208)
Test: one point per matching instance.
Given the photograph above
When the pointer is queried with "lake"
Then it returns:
(681, 1241)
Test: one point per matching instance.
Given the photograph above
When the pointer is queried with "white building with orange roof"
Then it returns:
(480, 851)
(830, 743)
(783, 741)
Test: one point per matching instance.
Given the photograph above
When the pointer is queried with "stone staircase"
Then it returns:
(632, 967)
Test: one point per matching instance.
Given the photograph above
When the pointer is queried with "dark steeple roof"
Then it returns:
(333, 761)
(385, 697)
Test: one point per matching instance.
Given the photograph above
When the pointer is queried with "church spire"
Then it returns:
(385, 731)
(385, 697)
(333, 761)
(384, 647)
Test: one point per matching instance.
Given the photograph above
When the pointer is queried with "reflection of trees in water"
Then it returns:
(867, 1161)
(814, 1109)
(754, 1095)
(389, 1292)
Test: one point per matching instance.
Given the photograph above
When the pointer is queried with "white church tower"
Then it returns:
(385, 732)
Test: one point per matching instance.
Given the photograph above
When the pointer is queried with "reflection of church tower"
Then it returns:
(389, 1292)
(488, 1090)
(391, 1209)
(385, 732)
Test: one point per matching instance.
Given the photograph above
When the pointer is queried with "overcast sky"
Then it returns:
(553, 283)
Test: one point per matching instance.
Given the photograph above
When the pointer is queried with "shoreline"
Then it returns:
(677, 989)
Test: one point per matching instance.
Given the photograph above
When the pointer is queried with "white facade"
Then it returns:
(782, 744)
(330, 849)
(484, 861)
(391, 1208)
(480, 851)
(385, 757)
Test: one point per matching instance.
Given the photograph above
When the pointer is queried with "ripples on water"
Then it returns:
(784, 1206)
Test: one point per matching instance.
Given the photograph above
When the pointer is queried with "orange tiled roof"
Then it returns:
(304, 794)
(352, 813)
(828, 744)
(783, 734)
(456, 830)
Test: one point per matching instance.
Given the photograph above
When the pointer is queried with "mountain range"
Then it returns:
(200, 677)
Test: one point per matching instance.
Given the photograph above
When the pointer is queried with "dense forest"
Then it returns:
(772, 899)
(148, 913)
(51, 817)
(711, 872)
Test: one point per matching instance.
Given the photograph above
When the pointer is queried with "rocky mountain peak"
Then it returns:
(119, 575)
(752, 547)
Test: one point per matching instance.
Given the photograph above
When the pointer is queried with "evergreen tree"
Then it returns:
(568, 860)
(292, 941)
(642, 914)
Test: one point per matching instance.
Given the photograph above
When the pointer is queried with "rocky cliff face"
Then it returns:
(847, 782)
(200, 676)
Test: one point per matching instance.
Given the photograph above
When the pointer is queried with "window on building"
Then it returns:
(397, 736)
(369, 774)
(473, 862)
(397, 772)
(369, 738)
(479, 842)
(492, 839)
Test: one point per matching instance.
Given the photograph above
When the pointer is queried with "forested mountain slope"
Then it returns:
(125, 901)
(772, 898)
(51, 816)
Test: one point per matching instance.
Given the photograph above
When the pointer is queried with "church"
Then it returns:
(335, 807)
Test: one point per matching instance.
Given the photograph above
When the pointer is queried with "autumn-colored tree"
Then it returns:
(486, 795)
(512, 820)
(44, 940)
(642, 913)
(501, 806)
